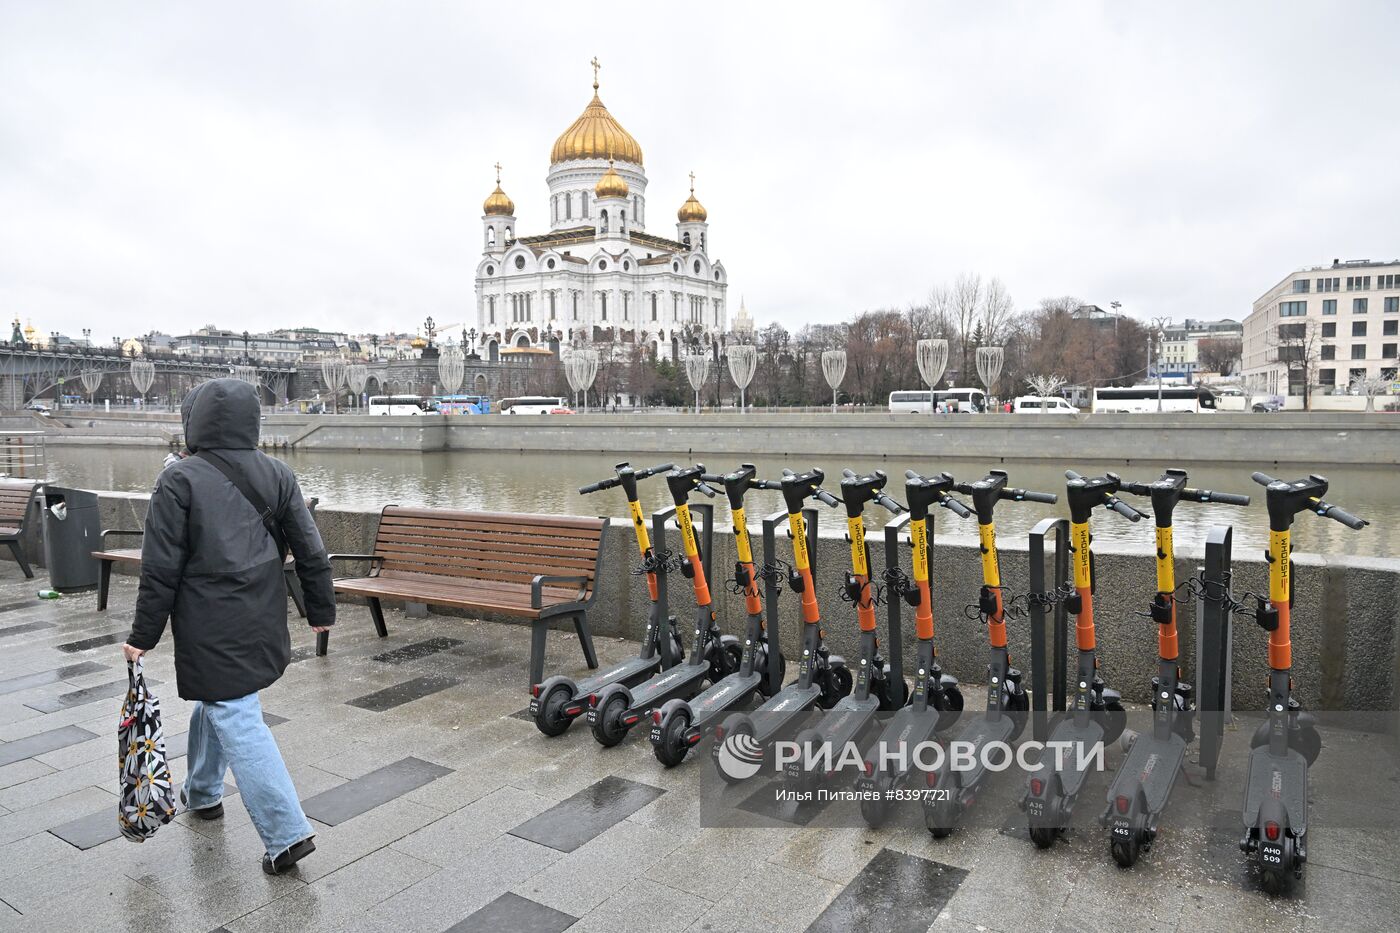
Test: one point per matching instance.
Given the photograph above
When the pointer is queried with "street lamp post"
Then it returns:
(247, 357)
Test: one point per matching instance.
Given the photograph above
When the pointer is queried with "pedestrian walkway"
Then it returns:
(438, 806)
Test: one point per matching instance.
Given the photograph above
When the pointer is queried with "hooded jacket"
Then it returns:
(210, 566)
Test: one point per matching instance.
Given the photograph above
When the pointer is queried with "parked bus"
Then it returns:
(1143, 399)
(964, 400)
(401, 405)
(531, 405)
(464, 404)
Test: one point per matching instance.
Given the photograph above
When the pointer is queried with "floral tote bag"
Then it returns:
(147, 800)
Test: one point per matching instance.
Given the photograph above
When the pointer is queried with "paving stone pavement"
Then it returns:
(442, 808)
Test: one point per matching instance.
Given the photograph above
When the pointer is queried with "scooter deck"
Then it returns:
(775, 715)
(1285, 778)
(676, 681)
(720, 697)
(1086, 736)
(1154, 764)
(846, 719)
(978, 733)
(626, 672)
(907, 728)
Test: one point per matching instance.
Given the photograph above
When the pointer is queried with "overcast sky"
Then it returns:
(256, 164)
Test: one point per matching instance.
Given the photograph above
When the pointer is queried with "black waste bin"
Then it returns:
(72, 531)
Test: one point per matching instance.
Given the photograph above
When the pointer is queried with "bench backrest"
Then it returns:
(495, 546)
(14, 501)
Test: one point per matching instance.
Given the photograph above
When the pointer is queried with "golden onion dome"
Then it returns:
(497, 202)
(418, 343)
(692, 211)
(611, 185)
(596, 134)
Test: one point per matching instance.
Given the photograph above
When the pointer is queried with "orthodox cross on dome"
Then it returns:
(498, 173)
(596, 65)
(692, 182)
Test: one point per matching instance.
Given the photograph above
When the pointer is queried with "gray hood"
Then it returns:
(222, 414)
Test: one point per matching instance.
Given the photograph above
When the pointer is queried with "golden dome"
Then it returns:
(596, 135)
(497, 202)
(418, 343)
(692, 211)
(611, 185)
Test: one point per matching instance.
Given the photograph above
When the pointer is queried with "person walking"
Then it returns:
(220, 523)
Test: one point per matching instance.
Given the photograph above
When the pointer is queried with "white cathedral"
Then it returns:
(598, 277)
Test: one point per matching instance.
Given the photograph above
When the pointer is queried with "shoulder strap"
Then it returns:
(240, 482)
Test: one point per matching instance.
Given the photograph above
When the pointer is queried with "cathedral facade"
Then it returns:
(598, 277)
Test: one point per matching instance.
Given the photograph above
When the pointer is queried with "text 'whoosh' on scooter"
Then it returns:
(1140, 789)
(1287, 743)
(952, 791)
(877, 686)
(936, 700)
(556, 702)
(822, 678)
(679, 724)
(614, 710)
(1096, 716)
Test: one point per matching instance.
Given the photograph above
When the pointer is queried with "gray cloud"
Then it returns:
(255, 165)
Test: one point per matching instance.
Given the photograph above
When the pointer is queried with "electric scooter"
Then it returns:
(936, 701)
(955, 791)
(557, 701)
(1143, 784)
(679, 724)
(822, 678)
(1096, 715)
(877, 686)
(1287, 743)
(615, 709)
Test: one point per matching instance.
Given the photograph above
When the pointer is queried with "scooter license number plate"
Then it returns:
(656, 735)
(1035, 808)
(592, 715)
(534, 706)
(1121, 830)
(1271, 854)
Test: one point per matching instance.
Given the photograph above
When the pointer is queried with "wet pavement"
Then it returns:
(439, 807)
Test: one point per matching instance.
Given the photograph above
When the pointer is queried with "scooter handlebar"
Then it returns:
(1026, 495)
(597, 487)
(712, 477)
(956, 507)
(891, 506)
(1124, 509)
(708, 491)
(826, 498)
(1341, 515)
(848, 474)
(1263, 479)
(652, 471)
(1224, 498)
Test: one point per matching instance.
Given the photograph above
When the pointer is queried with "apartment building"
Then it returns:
(1324, 327)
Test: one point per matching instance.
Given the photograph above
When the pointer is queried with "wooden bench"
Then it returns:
(536, 567)
(16, 501)
(109, 557)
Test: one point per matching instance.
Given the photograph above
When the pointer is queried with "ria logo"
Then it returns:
(739, 756)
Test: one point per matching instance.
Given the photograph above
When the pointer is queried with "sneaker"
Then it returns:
(287, 859)
(204, 813)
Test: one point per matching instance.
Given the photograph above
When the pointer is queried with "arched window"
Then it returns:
(568, 206)
(507, 233)
(686, 239)
(622, 221)
(603, 304)
(603, 224)
(552, 295)
(702, 242)
(490, 236)
(653, 306)
(491, 309)
(584, 211)
(626, 305)
(575, 306)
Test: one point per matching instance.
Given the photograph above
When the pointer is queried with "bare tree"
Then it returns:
(1219, 354)
(1371, 386)
(997, 309)
(1046, 386)
(966, 307)
(1298, 345)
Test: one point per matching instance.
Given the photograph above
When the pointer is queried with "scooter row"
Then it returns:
(683, 697)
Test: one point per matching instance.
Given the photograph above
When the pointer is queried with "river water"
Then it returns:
(537, 482)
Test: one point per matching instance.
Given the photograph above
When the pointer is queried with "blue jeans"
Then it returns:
(232, 734)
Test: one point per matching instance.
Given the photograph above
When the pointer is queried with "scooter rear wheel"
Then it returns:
(607, 728)
(764, 687)
(672, 748)
(1016, 706)
(1114, 719)
(875, 811)
(1274, 881)
(725, 661)
(1044, 836)
(1126, 851)
(950, 709)
(836, 683)
(551, 719)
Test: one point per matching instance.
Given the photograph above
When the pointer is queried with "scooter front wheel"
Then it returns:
(608, 728)
(1114, 719)
(950, 709)
(551, 719)
(836, 683)
(875, 809)
(672, 748)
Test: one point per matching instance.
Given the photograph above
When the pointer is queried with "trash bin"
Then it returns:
(72, 531)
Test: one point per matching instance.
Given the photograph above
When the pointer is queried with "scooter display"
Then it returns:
(1143, 784)
(936, 700)
(1007, 703)
(822, 678)
(558, 700)
(615, 709)
(1096, 713)
(878, 686)
(1287, 743)
(678, 724)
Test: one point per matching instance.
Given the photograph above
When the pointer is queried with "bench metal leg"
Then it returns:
(104, 583)
(18, 552)
(377, 611)
(585, 638)
(539, 633)
(323, 643)
(294, 590)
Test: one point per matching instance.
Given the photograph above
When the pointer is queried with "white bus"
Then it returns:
(530, 405)
(1142, 399)
(963, 400)
(400, 405)
(1042, 405)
